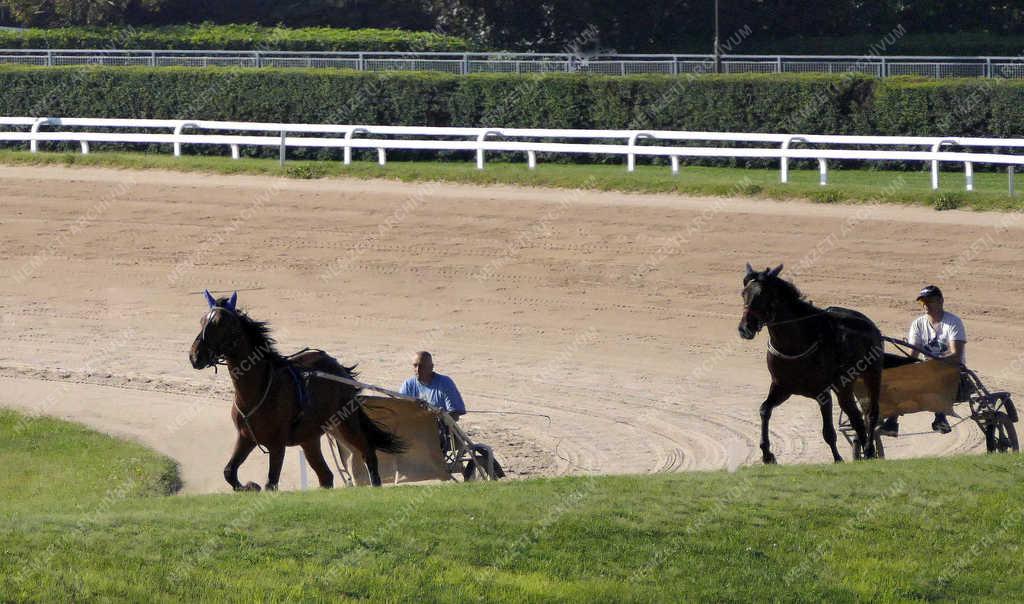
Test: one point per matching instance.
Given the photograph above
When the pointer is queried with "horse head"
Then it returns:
(220, 332)
(760, 299)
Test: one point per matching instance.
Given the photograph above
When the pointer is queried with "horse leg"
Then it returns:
(775, 398)
(243, 446)
(359, 440)
(873, 380)
(370, 459)
(315, 458)
(828, 430)
(852, 410)
(276, 461)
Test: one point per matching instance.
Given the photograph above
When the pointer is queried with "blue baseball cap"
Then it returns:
(930, 291)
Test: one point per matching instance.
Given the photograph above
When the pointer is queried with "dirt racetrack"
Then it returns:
(612, 314)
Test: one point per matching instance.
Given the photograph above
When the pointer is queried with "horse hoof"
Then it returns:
(838, 460)
(270, 487)
(769, 459)
(250, 486)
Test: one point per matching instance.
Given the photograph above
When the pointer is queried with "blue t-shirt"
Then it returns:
(440, 393)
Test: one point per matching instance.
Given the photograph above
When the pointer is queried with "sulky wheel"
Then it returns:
(1000, 434)
(469, 473)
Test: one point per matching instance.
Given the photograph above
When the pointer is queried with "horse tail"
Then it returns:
(381, 439)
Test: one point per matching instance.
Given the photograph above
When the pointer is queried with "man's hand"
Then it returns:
(956, 352)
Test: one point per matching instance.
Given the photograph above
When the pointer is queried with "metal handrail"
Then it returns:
(483, 61)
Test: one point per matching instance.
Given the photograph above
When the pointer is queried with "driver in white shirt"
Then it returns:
(941, 334)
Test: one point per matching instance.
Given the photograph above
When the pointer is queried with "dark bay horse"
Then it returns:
(813, 352)
(274, 408)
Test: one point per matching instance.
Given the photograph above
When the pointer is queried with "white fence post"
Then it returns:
(283, 151)
(480, 152)
(784, 161)
(303, 470)
(969, 175)
(33, 144)
(348, 146)
(631, 157)
(935, 162)
(822, 172)
(177, 133)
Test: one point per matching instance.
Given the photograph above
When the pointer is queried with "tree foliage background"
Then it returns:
(554, 25)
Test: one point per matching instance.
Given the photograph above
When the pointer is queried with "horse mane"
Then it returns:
(258, 333)
(792, 293)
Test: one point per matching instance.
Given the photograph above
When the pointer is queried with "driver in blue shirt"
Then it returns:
(436, 389)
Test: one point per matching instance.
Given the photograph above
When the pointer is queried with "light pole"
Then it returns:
(717, 52)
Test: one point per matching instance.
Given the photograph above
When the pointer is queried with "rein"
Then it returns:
(790, 357)
(775, 351)
(245, 416)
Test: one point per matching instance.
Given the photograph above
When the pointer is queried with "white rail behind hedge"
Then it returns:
(530, 141)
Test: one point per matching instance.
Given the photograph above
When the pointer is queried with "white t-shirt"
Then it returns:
(937, 339)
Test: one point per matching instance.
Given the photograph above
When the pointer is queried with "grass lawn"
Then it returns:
(858, 186)
(84, 518)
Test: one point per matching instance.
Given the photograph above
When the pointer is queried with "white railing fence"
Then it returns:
(499, 62)
(630, 144)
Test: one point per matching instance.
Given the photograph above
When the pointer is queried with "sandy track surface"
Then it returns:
(606, 322)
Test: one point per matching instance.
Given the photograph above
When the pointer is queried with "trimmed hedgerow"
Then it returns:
(231, 37)
(739, 103)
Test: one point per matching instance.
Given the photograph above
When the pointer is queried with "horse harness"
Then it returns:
(810, 349)
(776, 352)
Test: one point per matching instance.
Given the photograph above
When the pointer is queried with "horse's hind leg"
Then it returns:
(828, 430)
(849, 406)
(315, 458)
(775, 398)
(873, 380)
(370, 459)
(359, 440)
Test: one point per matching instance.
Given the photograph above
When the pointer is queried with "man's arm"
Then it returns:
(956, 352)
(957, 343)
(407, 388)
(913, 338)
(454, 405)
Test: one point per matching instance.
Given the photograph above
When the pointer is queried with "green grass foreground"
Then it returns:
(854, 186)
(82, 521)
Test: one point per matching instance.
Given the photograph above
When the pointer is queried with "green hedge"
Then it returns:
(231, 37)
(738, 103)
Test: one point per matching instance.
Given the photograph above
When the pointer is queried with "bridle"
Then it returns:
(217, 358)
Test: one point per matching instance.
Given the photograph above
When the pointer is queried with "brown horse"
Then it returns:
(813, 352)
(274, 405)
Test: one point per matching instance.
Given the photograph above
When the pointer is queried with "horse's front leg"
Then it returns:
(775, 398)
(243, 447)
(276, 462)
(828, 430)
